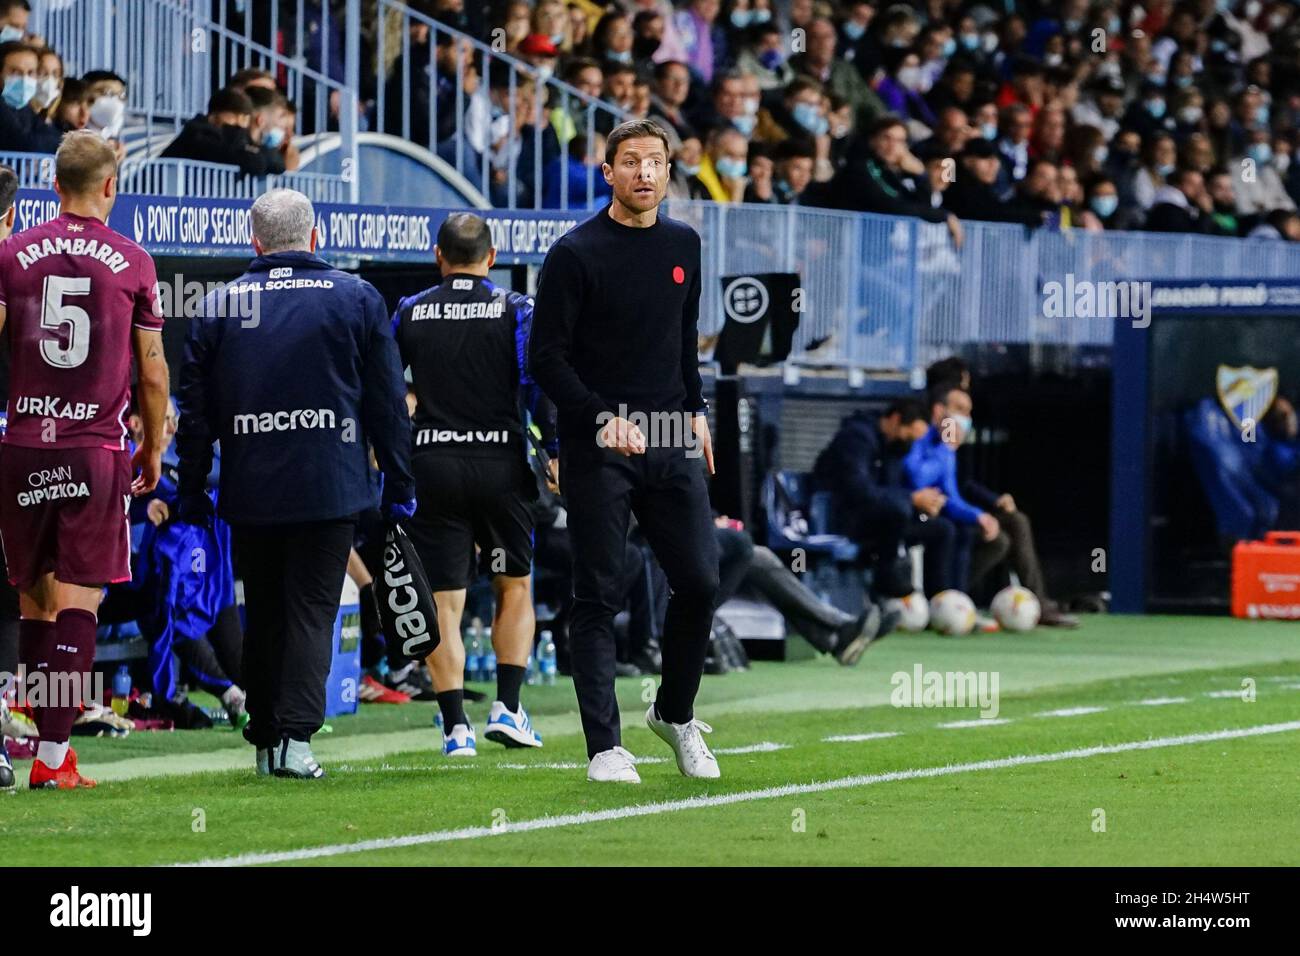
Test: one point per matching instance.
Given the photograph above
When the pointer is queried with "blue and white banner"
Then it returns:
(1224, 295)
(205, 227)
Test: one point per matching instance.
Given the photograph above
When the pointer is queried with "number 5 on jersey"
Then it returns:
(65, 319)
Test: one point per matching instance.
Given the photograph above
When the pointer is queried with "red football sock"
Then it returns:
(35, 645)
(74, 653)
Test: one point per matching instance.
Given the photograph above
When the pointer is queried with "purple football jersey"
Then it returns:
(72, 289)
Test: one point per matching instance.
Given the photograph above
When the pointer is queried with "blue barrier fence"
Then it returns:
(876, 292)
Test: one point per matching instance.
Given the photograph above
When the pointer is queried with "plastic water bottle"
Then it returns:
(546, 658)
(121, 690)
(474, 657)
(489, 656)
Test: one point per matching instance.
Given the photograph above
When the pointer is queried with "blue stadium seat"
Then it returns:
(797, 517)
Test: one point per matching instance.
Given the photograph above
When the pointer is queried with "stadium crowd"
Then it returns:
(1161, 115)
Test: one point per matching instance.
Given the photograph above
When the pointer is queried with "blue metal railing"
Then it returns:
(461, 84)
(173, 54)
(889, 292)
(183, 177)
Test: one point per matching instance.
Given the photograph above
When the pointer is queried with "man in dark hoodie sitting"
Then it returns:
(222, 135)
(862, 469)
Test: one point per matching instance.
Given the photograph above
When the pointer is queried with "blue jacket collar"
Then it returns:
(300, 259)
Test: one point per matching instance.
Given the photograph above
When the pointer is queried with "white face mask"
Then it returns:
(107, 114)
(47, 91)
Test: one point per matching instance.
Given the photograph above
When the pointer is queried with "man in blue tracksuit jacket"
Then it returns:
(932, 463)
(294, 370)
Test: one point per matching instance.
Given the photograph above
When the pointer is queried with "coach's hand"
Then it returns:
(622, 436)
(700, 426)
(146, 465)
(195, 509)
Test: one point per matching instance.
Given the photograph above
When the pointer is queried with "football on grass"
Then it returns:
(913, 611)
(952, 612)
(1016, 609)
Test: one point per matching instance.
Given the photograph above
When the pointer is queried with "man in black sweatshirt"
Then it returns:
(614, 347)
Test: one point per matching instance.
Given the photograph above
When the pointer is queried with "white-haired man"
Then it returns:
(293, 368)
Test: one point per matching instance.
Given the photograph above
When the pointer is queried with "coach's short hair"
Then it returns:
(634, 129)
(8, 188)
(84, 161)
(283, 220)
(464, 239)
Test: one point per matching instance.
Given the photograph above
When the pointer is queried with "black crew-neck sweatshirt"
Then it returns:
(615, 322)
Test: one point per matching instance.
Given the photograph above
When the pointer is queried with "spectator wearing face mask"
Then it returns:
(266, 129)
(107, 92)
(723, 168)
(731, 105)
(837, 75)
(1149, 114)
(14, 17)
(1103, 201)
(1262, 190)
(793, 174)
(763, 56)
(1159, 160)
(902, 86)
(801, 112)
(21, 129)
(221, 135)
(684, 179)
(611, 41)
(49, 84)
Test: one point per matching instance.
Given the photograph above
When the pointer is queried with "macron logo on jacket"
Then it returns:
(253, 423)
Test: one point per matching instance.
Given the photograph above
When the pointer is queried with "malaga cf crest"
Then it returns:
(1245, 392)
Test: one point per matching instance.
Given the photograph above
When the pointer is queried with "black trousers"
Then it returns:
(293, 576)
(667, 493)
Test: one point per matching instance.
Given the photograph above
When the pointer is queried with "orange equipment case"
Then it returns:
(1266, 577)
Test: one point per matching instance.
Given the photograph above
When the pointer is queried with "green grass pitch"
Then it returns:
(1152, 741)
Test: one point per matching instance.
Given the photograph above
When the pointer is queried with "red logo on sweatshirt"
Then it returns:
(679, 274)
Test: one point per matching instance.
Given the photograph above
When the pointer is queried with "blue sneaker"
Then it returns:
(460, 742)
(513, 730)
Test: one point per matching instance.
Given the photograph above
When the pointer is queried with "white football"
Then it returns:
(913, 611)
(952, 612)
(1016, 609)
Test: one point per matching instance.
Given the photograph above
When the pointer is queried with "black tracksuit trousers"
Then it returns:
(666, 491)
(293, 577)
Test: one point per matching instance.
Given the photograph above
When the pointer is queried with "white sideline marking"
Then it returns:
(1223, 693)
(976, 722)
(854, 738)
(1071, 712)
(725, 799)
(766, 747)
(1160, 701)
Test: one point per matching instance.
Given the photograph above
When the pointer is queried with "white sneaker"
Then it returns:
(460, 742)
(694, 758)
(513, 730)
(613, 766)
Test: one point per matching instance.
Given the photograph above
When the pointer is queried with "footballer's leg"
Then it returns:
(512, 640)
(443, 536)
(68, 613)
(447, 668)
(503, 528)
